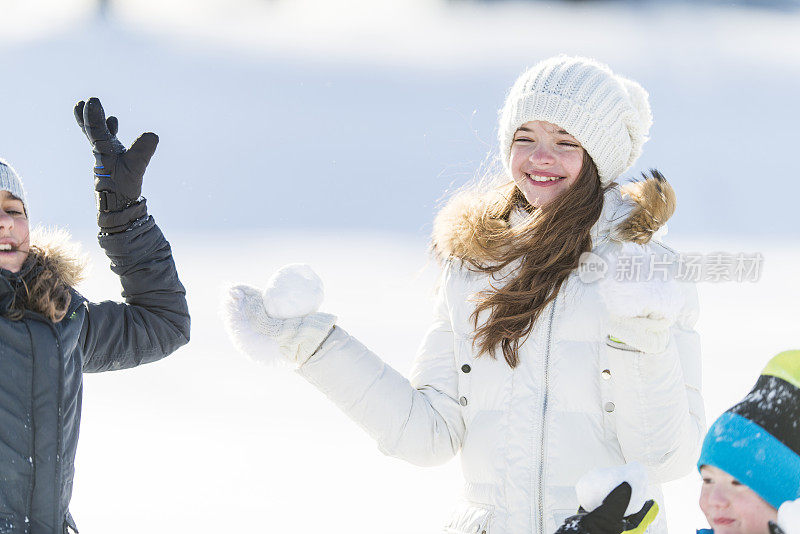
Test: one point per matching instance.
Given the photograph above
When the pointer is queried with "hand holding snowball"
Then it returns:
(613, 500)
(593, 487)
(279, 324)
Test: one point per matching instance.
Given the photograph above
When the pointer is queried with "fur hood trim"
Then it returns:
(53, 248)
(647, 205)
(632, 212)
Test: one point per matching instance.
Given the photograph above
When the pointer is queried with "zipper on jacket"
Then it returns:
(544, 415)
(59, 519)
(32, 443)
(60, 412)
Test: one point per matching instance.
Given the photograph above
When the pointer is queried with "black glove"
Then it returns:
(118, 172)
(609, 517)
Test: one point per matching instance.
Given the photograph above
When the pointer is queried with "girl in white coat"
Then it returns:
(540, 363)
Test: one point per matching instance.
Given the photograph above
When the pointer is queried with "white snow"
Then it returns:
(595, 486)
(303, 132)
(772, 399)
(294, 290)
(789, 517)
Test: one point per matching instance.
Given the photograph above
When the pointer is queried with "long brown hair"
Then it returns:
(549, 244)
(44, 281)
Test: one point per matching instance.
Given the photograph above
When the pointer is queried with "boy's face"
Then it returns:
(731, 507)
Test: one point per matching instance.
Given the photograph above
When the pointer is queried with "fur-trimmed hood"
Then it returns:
(53, 247)
(45, 283)
(632, 212)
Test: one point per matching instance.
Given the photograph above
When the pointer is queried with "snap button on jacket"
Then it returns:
(526, 435)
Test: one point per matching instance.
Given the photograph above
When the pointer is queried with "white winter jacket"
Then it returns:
(576, 401)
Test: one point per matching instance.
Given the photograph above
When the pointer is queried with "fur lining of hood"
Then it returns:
(46, 282)
(652, 202)
(53, 249)
(632, 212)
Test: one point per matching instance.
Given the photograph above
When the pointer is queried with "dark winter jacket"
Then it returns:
(42, 363)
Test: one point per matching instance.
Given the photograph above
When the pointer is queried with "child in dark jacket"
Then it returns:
(750, 465)
(50, 335)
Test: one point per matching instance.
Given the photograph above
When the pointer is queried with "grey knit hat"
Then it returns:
(608, 114)
(9, 181)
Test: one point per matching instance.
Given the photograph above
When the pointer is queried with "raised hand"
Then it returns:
(118, 173)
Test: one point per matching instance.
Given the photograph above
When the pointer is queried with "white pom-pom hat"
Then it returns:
(608, 114)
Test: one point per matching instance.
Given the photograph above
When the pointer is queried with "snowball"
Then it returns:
(294, 290)
(789, 517)
(595, 486)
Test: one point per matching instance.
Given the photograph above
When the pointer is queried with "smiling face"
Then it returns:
(545, 161)
(731, 507)
(14, 233)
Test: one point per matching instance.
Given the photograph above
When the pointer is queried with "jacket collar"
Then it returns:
(631, 212)
(616, 210)
(7, 290)
(10, 284)
(52, 252)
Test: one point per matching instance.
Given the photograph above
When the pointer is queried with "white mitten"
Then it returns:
(641, 307)
(280, 324)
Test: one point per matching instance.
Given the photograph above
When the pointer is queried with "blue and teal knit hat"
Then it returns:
(757, 441)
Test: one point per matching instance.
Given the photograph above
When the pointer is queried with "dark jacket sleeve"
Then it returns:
(154, 320)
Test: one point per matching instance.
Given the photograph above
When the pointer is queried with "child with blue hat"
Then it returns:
(750, 464)
(750, 460)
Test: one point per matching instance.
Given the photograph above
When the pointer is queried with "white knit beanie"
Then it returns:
(9, 181)
(608, 114)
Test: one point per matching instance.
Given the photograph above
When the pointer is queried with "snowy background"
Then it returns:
(327, 132)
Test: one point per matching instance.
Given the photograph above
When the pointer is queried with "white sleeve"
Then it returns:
(659, 410)
(418, 420)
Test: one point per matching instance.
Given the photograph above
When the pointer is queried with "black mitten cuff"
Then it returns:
(114, 222)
